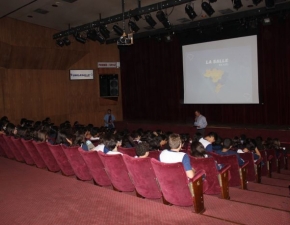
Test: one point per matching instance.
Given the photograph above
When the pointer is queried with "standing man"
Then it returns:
(200, 122)
(109, 119)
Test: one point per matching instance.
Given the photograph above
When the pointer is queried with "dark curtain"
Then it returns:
(152, 82)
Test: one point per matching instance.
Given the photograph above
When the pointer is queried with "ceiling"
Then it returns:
(64, 14)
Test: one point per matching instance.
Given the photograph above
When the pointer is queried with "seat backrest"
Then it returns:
(13, 148)
(31, 149)
(46, 155)
(20, 147)
(95, 166)
(127, 151)
(272, 152)
(173, 182)
(61, 159)
(2, 151)
(211, 182)
(251, 174)
(6, 148)
(234, 170)
(154, 154)
(117, 171)
(77, 163)
(143, 176)
(264, 169)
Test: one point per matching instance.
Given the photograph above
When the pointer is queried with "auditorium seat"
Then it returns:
(176, 188)
(275, 161)
(20, 147)
(96, 167)
(216, 181)
(154, 154)
(13, 148)
(31, 149)
(5, 148)
(117, 172)
(143, 177)
(77, 163)
(46, 155)
(254, 168)
(127, 151)
(266, 168)
(58, 154)
(238, 173)
(2, 151)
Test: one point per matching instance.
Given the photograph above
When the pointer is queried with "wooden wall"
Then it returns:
(34, 76)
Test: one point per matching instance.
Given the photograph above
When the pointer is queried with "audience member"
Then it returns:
(208, 140)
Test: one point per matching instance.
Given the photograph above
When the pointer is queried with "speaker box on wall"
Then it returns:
(109, 85)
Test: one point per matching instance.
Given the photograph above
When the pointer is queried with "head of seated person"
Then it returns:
(142, 150)
(110, 142)
(174, 142)
(197, 150)
(211, 137)
(227, 144)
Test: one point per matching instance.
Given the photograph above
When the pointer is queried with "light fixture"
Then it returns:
(104, 31)
(207, 8)
(133, 26)
(266, 20)
(150, 20)
(270, 4)
(60, 42)
(79, 38)
(95, 35)
(257, 2)
(190, 11)
(237, 4)
(163, 19)
(118, 30)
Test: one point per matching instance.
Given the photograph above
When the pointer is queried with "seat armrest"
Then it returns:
(245, 164)
(197, 175)
(224, 169)
(259, 161)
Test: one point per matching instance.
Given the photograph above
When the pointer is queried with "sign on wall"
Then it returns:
(108, 64)
(81, 74)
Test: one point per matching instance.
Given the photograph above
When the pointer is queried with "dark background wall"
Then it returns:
(152, 81)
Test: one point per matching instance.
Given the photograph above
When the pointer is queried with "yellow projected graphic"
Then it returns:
(215, 75)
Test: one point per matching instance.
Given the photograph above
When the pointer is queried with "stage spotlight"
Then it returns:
(257, 2)
(190, 12)
(60, 42)
(118, 30)
(66, 41)
(133, 26)
(150, 20)
(163, 19)
(104, 31)
(207, 8)
(237, 4)
(96, 36)
(270, 4)
(79, 38)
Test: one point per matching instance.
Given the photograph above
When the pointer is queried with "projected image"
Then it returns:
(220, 72)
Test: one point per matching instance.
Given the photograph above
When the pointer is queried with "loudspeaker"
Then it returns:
(109, 85)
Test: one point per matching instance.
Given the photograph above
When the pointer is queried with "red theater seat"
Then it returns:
(254, 168)
(5, 148)
(31, 149)
(13, 148)
(117, 172)
(20, 147)
(127, 151)
(154, 154)
(176, 188)
(143, 176)
(96, 167)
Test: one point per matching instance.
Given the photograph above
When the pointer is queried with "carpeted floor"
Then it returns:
(33, 196)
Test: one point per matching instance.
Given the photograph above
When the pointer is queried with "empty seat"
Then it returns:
(46, 155)
(77, 163)
(13, 148)
(31, 149)
(127, 151)
(21, 148)
(176, 188)
(61, 159)
(117, 172)
(143, 176)
(96, 167)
